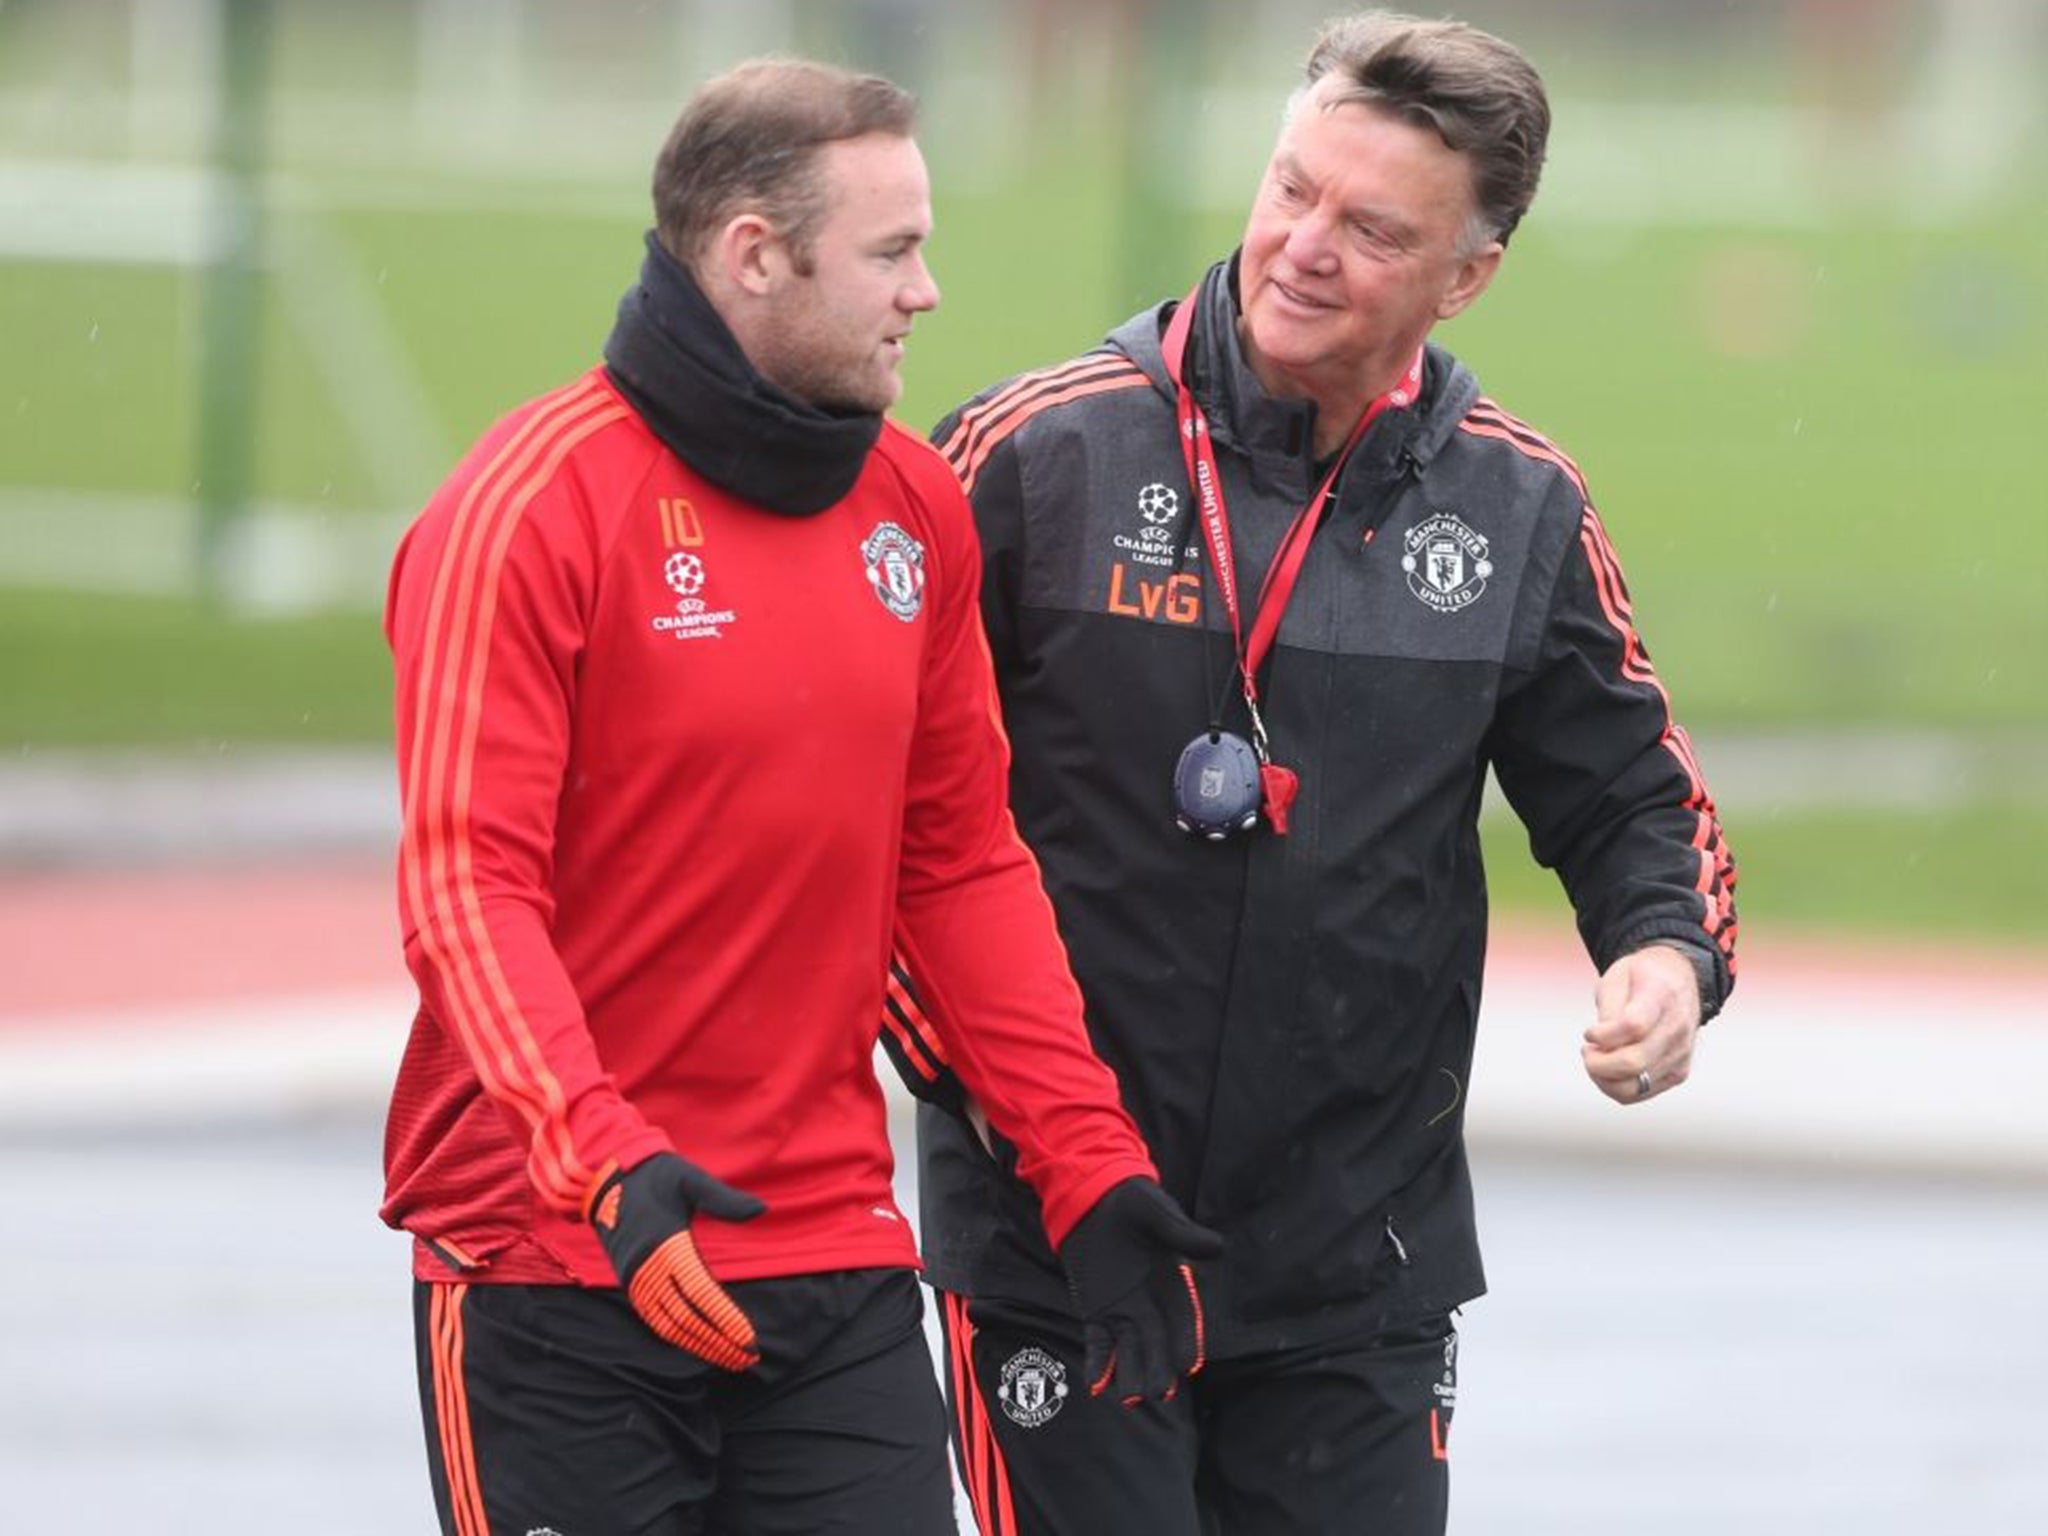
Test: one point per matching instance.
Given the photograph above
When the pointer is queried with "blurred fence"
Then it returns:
(1784, 297)
(121, 124)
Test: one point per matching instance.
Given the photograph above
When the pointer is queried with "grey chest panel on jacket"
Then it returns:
(1425, 566)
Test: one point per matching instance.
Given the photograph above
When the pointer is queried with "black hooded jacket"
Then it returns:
(1291, 1018)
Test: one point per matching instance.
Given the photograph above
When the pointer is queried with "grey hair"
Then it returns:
(1478, 94)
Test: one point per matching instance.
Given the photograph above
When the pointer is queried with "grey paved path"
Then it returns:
(1802, 1296)
(205, 1334)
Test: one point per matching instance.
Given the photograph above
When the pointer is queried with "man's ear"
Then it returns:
(1470, 280)
(750, 254)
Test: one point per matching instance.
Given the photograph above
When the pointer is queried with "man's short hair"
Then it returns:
(1476, 92)
(749, 141)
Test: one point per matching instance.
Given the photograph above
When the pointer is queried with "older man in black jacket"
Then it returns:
(1266, 564)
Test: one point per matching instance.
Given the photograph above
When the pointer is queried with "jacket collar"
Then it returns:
(678, 365)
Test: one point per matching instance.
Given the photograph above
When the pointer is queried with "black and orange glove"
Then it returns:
(1128, 1272)
(642, 1217)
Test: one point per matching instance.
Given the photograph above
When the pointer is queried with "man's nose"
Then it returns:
(1311, 242)
(922, 291)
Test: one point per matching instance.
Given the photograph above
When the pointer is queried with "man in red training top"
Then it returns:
(695, 718)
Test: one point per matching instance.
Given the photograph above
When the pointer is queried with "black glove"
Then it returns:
(642, 1217)
(1126, 1263)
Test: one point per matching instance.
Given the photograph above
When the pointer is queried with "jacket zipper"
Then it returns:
(1400, 1248)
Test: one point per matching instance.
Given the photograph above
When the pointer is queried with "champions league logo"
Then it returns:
(684, 573)
(1158, 505)
(694, 618)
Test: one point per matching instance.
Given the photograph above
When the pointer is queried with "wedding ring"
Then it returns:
(1643, 1083)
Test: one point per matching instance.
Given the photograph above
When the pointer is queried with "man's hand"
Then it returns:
(1646, 1016)
(642, 1217)
(1127, 1270)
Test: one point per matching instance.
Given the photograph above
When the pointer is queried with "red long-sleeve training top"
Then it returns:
(675, 769)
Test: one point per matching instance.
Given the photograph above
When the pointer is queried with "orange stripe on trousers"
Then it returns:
(960, 1340)
(981, 1459)
(451, 1410)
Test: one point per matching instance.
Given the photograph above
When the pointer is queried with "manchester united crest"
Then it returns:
(895, 565)
(1034, 1387)
(1446, 562)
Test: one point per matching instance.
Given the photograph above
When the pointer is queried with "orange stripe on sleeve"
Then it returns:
(423, 843)
(1000, 432)
(1681, 743)
(553, 1154)
(1489, 420)
(557, 1171)
(978, 417)
(1716, 877)
(445, 927)
(441, 875)
(1614, 603)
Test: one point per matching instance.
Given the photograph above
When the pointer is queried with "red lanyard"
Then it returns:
(1207, 482)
